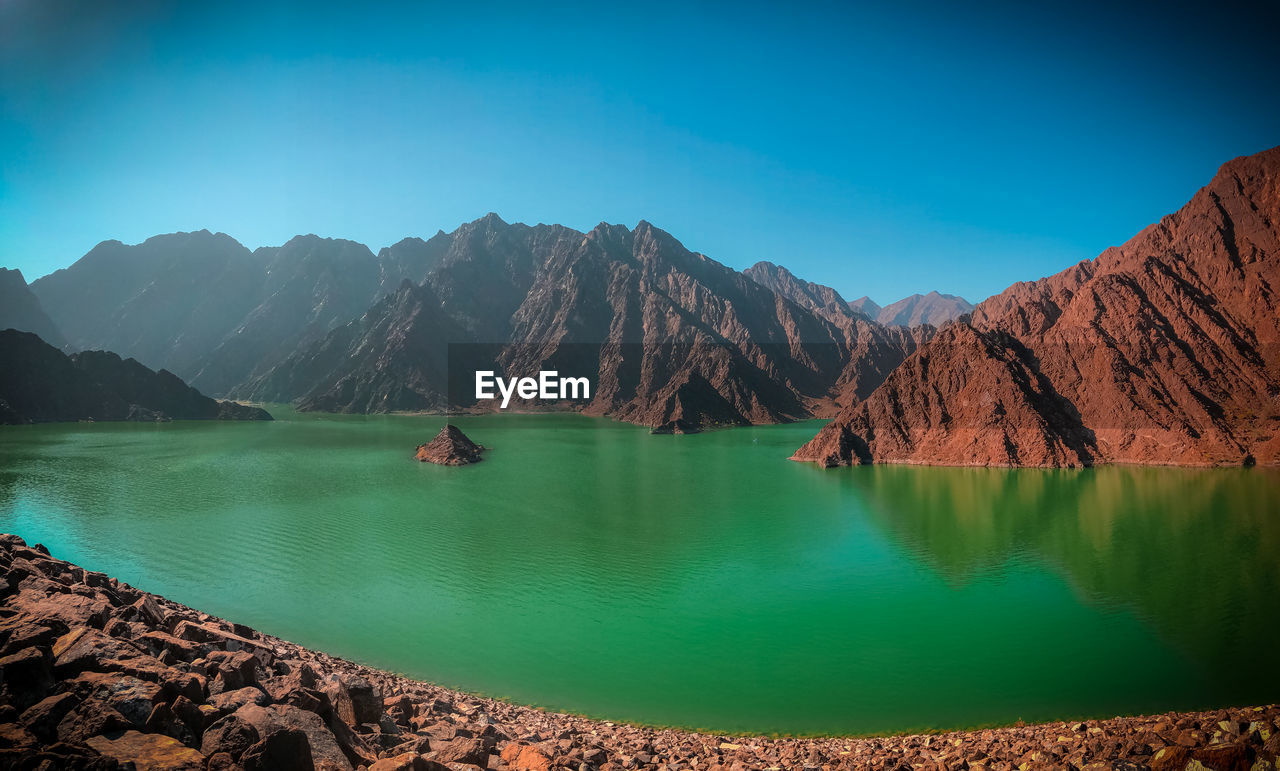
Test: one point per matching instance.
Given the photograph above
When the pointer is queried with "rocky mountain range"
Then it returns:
(671, 339)
(39, 383)
(205, 307)
(933, 308)
(1164, 350)
(1159, 351)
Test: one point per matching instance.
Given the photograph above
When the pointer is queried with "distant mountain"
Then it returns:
(933, 308)
(301, 291)
(20, 309)
(671, 339)
(866, 306)
(204, 306)
(1163, 350)
(39, 383)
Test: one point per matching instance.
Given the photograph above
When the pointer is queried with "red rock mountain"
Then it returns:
(1164, 350)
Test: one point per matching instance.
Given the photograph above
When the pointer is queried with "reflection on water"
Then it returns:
(1194, 552)
(693, 580)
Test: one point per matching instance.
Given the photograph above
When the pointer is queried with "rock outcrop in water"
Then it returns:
(39, 383)
(451, 447)
(95, 674)
(1164, 350)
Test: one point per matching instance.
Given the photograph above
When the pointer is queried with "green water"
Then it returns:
(699, 581)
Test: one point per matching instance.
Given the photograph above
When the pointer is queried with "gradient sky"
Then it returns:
(880, 150)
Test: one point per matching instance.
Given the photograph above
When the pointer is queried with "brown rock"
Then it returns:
(230, 701)
(232, 734)
(42, 718)
(25, 676)
(287, 749)
(130, 696)
(532, 758)
(408, 761)
(149, 751)
(451, 447)
(90, 718)
(461, 750)
(326, 753)
(354, 699)
(14, 735)
(163, 720)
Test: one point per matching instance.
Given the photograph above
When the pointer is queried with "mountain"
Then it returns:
(669, 338)
(20, 309)
(300, 291)
(821, 299)
(866, 306)
(1164, 350)
(204, 306)
(39, 383)
(933, 308)
(873, 350)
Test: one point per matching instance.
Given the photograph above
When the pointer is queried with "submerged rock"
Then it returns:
(451, 447)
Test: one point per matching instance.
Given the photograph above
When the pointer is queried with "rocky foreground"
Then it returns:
(96, 674)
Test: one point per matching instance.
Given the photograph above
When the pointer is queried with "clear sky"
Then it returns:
(882, 149)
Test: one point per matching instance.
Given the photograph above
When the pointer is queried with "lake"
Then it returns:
(700, 581)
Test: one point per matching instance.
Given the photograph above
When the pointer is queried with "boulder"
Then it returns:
(90, 718)
(163, 720)
(42, 718)
(230, 701)
(326, 754)
(26, 678)
(150, 751)
(408, 761)
(232, 734)
(355, 700)
(88, 649)
(532, 758)
(462, 750)
(287, 749)
(130, 696)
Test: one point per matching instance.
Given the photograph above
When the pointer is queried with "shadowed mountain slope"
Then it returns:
(39, 383)
(20, 309)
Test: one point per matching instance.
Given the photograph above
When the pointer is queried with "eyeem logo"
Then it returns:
(548, 385)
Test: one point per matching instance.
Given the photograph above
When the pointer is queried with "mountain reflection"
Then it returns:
(1191, 552)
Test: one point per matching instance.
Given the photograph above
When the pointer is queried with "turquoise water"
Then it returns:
(700, 581)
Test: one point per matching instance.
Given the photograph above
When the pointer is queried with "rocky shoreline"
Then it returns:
(96, 674)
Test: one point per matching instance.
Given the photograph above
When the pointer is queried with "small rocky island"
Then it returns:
(451, 447)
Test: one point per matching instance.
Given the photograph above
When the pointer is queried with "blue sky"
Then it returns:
(881, 150)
